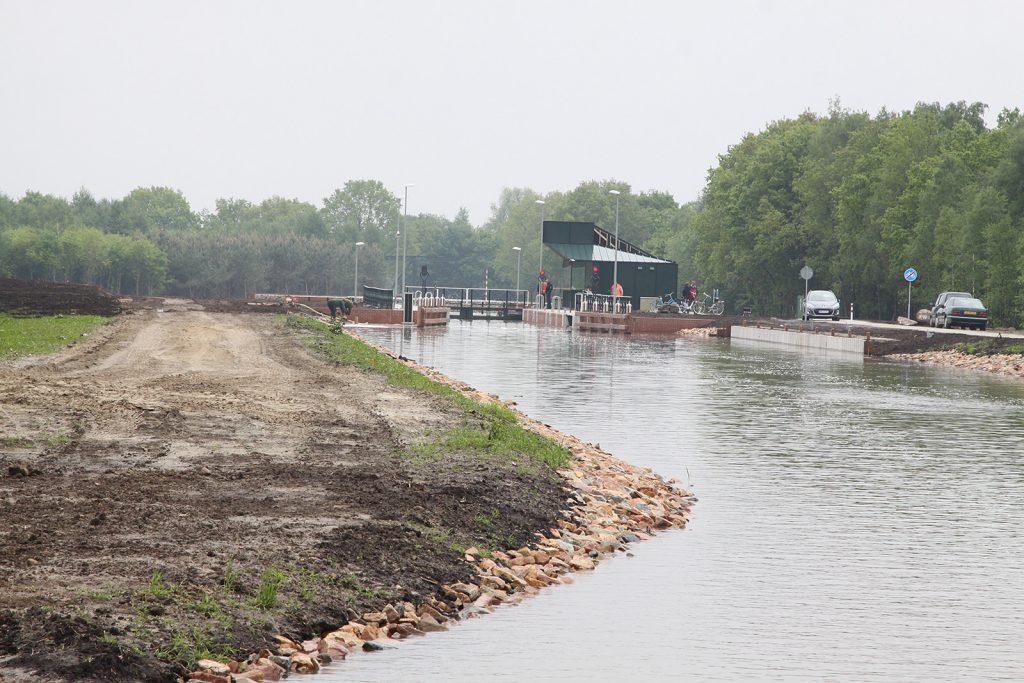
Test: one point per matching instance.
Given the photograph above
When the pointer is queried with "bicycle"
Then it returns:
(707, 305)
(666, 304)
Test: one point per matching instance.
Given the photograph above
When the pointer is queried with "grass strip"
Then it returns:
(501, 435)
(23, 336)
(987, 347)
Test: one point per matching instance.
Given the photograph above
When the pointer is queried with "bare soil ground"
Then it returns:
(149, 477)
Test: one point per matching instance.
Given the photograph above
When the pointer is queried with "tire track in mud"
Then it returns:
(185, 442)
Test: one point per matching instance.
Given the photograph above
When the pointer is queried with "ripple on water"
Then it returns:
(858, 519)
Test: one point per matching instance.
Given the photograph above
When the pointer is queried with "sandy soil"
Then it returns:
(201, 445)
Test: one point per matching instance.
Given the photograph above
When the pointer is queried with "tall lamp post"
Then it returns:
(519, 260)
(615, 268)
(355, 285)
(540, 255)
(398, 242)
(405, 239)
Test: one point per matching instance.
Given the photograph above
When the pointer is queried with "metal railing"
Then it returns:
(602, 303)
(467, 296)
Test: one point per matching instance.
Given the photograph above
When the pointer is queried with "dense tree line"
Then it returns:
(858, 198)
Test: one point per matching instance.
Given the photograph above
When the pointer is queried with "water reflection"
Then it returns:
(858, 519)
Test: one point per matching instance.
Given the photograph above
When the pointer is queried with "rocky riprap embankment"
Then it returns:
(698, 332)
(610, 504)
(1004, 364)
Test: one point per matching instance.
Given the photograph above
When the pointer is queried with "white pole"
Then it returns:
(355, 285)
(398, 234)
(910, 285)
(519, 260)
(405, 239)
(615, 268)
(540, 254)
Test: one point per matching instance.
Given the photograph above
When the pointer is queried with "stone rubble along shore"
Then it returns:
(609, 505)
(1002, 364)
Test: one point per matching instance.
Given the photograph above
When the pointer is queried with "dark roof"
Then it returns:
(593, 252)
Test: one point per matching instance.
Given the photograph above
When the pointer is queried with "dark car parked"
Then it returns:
(820, 303)
(940, 301)
(963, 312)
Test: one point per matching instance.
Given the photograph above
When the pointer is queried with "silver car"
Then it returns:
(821, 303)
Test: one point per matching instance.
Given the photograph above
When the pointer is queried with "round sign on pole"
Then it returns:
(806, 273)
(910, 274)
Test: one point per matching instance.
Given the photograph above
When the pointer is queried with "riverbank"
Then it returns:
(1010, 364)
(192, 485)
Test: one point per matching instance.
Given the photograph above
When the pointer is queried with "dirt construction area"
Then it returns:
(189, 483)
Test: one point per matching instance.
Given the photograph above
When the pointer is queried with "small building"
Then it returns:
(588, 255)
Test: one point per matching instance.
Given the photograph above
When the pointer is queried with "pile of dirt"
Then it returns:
(198, 481)
(40, 297)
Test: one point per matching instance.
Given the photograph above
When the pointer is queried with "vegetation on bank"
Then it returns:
(22, 336)
(857, 197)
(991, 346)
(489, 429)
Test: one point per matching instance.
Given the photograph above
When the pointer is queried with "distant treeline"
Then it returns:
(857, 198)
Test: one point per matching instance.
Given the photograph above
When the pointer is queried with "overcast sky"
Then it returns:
(254, 99)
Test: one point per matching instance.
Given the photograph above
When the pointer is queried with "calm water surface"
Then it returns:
(858, 520)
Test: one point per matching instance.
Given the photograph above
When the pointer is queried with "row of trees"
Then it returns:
(856, 197)
(83, 254)
(860, 199)
(286, 245)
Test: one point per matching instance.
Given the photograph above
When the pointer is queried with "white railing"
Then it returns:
(450, 294)
(428, 299)
(602, 303)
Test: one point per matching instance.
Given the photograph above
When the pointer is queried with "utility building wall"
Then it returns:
(585, 247)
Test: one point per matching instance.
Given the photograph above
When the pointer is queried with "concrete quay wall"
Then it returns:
(543, 317)
(807, 340)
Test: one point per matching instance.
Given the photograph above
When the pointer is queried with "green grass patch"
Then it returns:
(230, 576)
(495, 433)
(189, 646)
(985, 347)
(270, 583)
(158, 589)
(28, 336)
(486, 521)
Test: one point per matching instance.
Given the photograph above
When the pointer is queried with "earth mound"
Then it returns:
(40, 297)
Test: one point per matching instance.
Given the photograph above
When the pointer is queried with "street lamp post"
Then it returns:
(398, 234)
(355, 284)
(405, 239)
(615, 268)
(540, 255)
(519, 260)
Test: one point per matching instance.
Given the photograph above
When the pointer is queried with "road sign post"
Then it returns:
(806, 273)
(910, 274)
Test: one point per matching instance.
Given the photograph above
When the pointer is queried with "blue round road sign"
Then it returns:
(910, 274)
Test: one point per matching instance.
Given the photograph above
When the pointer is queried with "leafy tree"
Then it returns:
(361, 211)
(150, 209)
(84, 254)
(28, 253)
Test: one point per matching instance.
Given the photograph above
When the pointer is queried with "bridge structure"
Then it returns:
(473, 303)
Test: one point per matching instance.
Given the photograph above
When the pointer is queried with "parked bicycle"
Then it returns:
(707, 305)
(667, 304)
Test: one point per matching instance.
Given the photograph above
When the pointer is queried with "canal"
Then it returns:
(858, 519)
